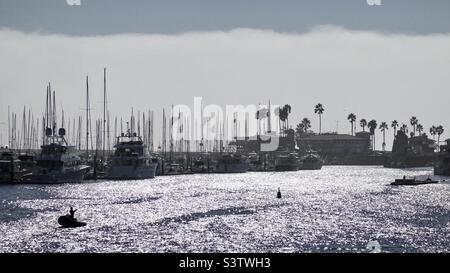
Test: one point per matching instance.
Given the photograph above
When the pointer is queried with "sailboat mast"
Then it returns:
(87, 117)
(104, 113)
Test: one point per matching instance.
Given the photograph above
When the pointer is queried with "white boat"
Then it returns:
(57, 163)
(131, 159)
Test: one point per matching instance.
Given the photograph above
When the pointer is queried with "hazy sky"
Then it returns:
(385, 62)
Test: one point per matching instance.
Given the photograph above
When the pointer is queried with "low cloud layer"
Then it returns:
(374, 75)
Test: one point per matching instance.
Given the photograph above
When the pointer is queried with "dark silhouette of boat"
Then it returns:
(67, 221)
(413, 182)
(57, 162)
(231, 163)
(287, 162)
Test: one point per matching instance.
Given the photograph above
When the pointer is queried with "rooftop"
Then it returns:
(333, 137)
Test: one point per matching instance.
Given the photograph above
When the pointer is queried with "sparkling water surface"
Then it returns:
(336, 209)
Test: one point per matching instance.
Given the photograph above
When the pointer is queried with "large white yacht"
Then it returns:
(131, 159)
(57, 163)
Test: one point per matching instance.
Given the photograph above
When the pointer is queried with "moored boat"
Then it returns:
(131, 159)
(57, 163)
(231, 163)
(412, 182)
(311, 161)
(286, 162)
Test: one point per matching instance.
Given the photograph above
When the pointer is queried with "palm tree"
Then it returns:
(404, 128)
(306, 124)
(433, 132)
(383, 128)
(372, 127)
(419, 129)
(319, 109)
(439, 132)
(283, 117)
(414, 121)
(363, 124)
(352, 119)
(394, 125)
(287, 110)
(299, 130)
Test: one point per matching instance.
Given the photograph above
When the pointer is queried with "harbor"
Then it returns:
(46, 152)
(223, 135)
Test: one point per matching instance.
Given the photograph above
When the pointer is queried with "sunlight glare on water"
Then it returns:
(336, 209)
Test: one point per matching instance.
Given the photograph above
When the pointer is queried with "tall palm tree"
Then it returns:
(433, 132)
(306, 124)
(363, 124)
(383, 128)
(287, 110)
(414, 121)
(419, 129)
(352, 119)
(439, 132)
(394, 125)
(283, 117)
(372, 127)
(319, 109)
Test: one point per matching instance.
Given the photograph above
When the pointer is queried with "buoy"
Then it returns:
(279, 193)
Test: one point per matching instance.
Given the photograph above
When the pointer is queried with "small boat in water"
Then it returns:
(67, 221)
(413, 182)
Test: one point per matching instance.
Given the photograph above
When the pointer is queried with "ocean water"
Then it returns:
(336, 209)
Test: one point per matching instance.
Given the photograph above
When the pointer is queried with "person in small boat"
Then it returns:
(279, 193)
(72, 213)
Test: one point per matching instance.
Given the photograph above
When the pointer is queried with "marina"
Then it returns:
(217, 135)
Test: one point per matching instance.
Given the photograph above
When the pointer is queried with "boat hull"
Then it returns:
(232, 168)
(410, 182)
(132, 172)
(73, 176)
(286, 168)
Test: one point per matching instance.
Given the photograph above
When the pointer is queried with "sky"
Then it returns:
(380, 62)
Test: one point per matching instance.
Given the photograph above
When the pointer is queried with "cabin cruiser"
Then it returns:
(57, 162)
(131, 159)
(231, 163)
(310, 161)
(286, 162)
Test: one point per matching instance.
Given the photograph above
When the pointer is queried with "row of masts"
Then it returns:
(99, 134)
